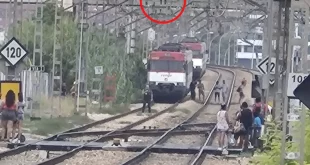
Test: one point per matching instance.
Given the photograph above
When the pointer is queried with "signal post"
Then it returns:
(293, 114)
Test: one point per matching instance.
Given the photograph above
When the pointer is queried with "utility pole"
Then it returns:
(57, 56)
(291, 114)
(37, 87)
(267, 50)
(278, 99)
(11, 74)
(80, 79)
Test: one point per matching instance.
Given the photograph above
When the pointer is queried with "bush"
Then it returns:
(272, 139)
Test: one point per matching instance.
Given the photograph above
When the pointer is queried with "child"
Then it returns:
(20, 117)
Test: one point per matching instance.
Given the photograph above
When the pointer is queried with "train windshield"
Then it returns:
(166, 66)
(197, 54)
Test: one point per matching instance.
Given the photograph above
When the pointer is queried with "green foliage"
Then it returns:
(54, 125)
(104, 49)
(273, 140)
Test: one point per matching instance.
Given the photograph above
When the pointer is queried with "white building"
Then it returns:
(245, 53)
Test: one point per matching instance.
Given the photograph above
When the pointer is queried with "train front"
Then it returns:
(199, 58)
(167, 76)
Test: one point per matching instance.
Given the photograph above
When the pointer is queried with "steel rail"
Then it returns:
(146, 151)
(198, 160)
(20, 149)
(65, 156)
(132, 131)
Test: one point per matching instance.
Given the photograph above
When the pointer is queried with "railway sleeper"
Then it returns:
(177, 149)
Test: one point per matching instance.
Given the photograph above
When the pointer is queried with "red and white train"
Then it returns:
(170, 71)
(200, 56)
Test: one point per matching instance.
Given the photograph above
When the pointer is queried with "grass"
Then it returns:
(54, 120)
(44, 107)
(47, 126)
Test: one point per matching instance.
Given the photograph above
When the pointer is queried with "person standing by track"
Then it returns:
(8, 115)
(20, 117)
(217, 91)
(147, 98)
(224, 92)
(201, 90)
(242, 130)
(192, 88)
(222, 125)
(240, 91)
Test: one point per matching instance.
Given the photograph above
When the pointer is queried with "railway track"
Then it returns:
(108, 155)
(200, 158)
(19, 152)
(198, 140)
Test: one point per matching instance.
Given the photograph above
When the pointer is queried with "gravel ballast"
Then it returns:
(28, 158)
(166, 159)
(98, 158)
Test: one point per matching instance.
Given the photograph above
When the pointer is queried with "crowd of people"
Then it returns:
(219, 89)
(248, 124)
(12, 116)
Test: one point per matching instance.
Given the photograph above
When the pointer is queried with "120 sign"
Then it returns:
(13, 52)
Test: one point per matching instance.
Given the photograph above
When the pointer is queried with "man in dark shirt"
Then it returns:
(147, 98)
(246, 119)
(192, 89)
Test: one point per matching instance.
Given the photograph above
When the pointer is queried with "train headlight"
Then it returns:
(180, 84)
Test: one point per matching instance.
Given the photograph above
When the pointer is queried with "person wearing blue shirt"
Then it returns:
(257, 122)
(257, 128)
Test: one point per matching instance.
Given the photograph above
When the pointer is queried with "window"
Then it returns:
(166, 65)
(308, 49)
(258, 49)
(197, 54)
(248, 48)
(239, 48)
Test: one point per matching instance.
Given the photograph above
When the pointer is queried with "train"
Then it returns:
(200, 55)
(170, 71)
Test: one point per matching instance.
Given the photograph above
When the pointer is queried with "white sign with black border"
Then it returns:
(151, 34)
(98, 70)
(13, 52)
(293, 81)
(263, 66)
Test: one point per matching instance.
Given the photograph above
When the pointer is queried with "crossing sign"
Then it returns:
(13, 52)
(263, 66)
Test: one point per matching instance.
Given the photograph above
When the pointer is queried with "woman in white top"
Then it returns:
(222, 125)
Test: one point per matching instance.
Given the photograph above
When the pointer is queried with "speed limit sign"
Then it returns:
(13, 51)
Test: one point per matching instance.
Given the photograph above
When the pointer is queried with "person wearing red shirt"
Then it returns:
(8, 115)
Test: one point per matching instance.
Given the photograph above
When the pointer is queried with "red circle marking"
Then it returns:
(162, 21)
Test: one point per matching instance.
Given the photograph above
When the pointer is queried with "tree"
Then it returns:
(103, 48)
